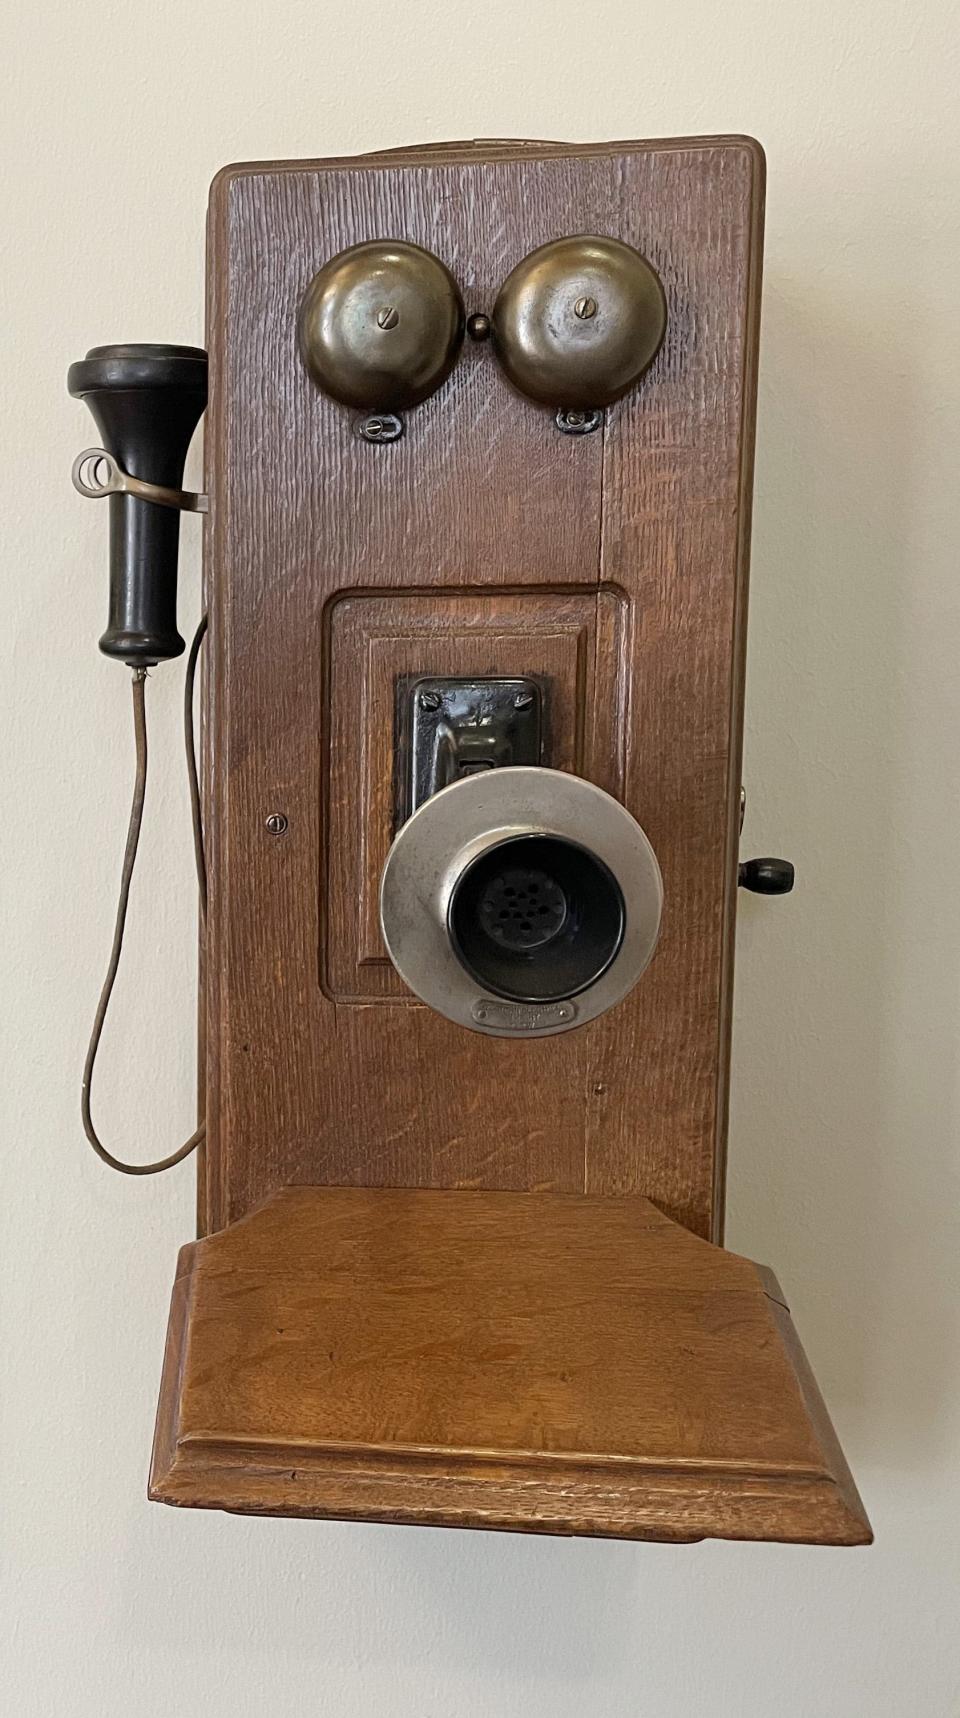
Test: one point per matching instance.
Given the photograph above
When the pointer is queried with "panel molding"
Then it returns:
(571, 640)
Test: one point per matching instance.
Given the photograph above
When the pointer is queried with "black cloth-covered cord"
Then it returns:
(126, 877)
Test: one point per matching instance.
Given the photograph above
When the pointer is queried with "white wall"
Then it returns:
(844, 1136)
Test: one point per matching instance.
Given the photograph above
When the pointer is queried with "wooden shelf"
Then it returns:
(540, 1362)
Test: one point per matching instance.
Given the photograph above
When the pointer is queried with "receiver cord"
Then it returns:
(126, 876)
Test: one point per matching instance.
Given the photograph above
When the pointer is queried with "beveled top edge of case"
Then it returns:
(485, 150)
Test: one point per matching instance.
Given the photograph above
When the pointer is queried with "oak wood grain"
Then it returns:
(435, 1286)
(308, 1078)
(552, 1362)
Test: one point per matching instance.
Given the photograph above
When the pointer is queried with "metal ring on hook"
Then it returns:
(96, 473)
(85, 473)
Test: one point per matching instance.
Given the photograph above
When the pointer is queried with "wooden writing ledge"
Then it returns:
(542, 1362)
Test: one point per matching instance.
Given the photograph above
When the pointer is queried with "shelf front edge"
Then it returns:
(280, 1450)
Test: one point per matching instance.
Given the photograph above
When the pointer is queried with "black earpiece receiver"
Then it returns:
(147, 401)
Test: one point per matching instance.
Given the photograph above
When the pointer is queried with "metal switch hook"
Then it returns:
(96, 473)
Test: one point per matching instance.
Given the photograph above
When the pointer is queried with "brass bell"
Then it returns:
(578, 321)
(380, 325)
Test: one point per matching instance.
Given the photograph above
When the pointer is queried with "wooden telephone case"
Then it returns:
(445, 1277)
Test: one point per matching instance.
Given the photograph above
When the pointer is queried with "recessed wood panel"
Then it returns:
(379, 643)
(613, 564)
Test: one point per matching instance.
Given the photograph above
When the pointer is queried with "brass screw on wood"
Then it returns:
(278, 823)
(585, 308)
(388, 317)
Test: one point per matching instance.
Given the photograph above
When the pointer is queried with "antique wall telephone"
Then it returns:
(478, 458)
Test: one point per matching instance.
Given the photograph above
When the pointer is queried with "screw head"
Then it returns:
(278, 823)
(478, 326)
(430, 700)
(585, 308)
(578, 422)
(388, 316)
(382, 427)
(523, 701)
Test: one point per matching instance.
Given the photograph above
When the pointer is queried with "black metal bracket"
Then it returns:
(456, 728)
